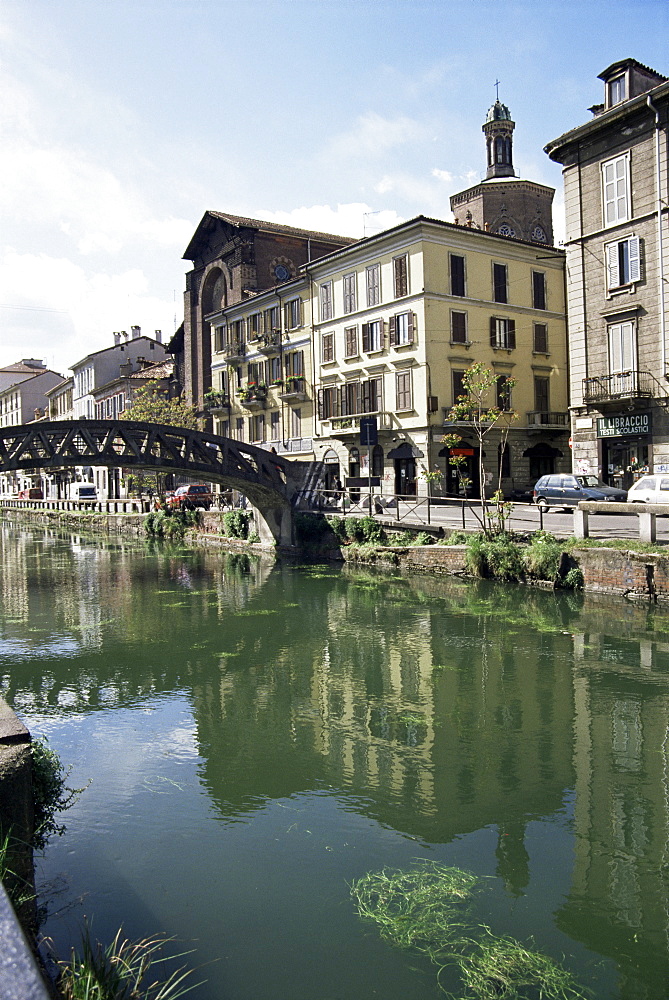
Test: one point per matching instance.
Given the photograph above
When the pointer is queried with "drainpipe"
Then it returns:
(660, 249)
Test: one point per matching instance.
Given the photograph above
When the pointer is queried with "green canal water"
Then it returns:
(257, 737)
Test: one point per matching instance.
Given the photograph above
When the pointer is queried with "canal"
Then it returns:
(258, 737)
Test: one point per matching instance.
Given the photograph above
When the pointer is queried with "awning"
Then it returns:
(542, 450)
(405, 450)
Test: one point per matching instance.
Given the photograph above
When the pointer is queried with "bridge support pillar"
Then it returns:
(275, 526)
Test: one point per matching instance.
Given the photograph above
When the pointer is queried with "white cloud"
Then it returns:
(354, 219)
(373, 136)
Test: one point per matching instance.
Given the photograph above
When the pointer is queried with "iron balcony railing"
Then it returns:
(234, 349)
(621, 385)
(547, 418)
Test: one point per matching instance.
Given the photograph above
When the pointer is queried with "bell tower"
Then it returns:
(498, 129)
(502, 203)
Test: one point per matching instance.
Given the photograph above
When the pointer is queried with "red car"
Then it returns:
(191, 496)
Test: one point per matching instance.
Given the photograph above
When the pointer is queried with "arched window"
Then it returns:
(354, 463)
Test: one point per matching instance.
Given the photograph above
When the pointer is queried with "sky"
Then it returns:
(123, 121)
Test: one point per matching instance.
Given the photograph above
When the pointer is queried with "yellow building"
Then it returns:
(262, 382)
(399, 317)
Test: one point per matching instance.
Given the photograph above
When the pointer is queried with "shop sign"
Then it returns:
(623, 425)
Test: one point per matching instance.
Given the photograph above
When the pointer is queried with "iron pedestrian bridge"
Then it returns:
(272, 484)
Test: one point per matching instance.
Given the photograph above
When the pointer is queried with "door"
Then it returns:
(405, 477)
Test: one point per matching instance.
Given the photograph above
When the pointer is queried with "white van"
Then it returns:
(82, 491)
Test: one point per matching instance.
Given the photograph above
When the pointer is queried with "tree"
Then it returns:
(474, 408)
(151, 404)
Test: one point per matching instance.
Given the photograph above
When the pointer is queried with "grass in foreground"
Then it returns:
(124, 970)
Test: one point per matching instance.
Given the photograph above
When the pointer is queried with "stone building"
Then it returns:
(234, 258)
(501, 203)
(616, 191)
(399, 317)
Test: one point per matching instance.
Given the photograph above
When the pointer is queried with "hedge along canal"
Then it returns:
(628, 572)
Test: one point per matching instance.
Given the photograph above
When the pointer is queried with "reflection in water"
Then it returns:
(406, 715)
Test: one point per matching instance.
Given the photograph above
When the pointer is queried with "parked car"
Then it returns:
(33, 493)
(568, 490)
(649, 489)
(191, 496)
(83, 491)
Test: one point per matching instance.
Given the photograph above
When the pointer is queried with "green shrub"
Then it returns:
(170, 524)
(423, 538)
(498, 557)
(236, 523)
(543, 556)
(573, 579)
(50, 793)
(338, 526)
(457, 538)
(372, 531)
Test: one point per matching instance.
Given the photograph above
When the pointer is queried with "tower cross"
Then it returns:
(497, 83)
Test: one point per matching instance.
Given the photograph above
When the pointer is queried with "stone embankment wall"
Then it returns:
(608, 571)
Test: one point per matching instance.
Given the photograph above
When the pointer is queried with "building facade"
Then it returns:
(104, 366)
(233, 259)
(262, 370)
(399, 317)
(616, 191)
(22, 403)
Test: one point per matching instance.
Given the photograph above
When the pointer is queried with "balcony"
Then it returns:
(294, 389)
(253, 397)
(216, 401)
(547, 420)
(270, 343)
(622, 385)
(234, 350)
(343, 427)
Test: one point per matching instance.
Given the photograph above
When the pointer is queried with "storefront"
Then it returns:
(625, 447)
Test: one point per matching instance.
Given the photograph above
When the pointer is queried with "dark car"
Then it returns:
(191, 496)
(568, 490)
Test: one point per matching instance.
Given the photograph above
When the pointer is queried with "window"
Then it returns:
(240, 429)
(402, 329)
(326, 301)
(503, 392)
(237, 331)
(219, 338)
(327, 402)
(350, 298)
(327, 347)
(351, 342)
(457, 274)
(541, 394)
(296, 423)
(293, 314)
(272, 319)
(458, 328)
(499, 282)
(617, 90)
(373, 274)
(538, 289)
(615, 190)
(274, 370)
(540, 338)
(274, 425)
(458, 385)
(623, 262)
(256, 372)
(502, 333)
(401, 276)
(404, 391)
(294, 363)
(622, 347)
(372, 336)
(257, 428)
(255, 326)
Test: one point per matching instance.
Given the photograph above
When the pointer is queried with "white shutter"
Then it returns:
(634, 245)
(612, 266)
(615, 349)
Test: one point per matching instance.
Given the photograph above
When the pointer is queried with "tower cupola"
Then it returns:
(498, 129)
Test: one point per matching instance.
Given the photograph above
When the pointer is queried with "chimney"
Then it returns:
(158, 334)
(117, 338)
(124, 334)
(125, 369)
(33, 363)
(136, 332)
